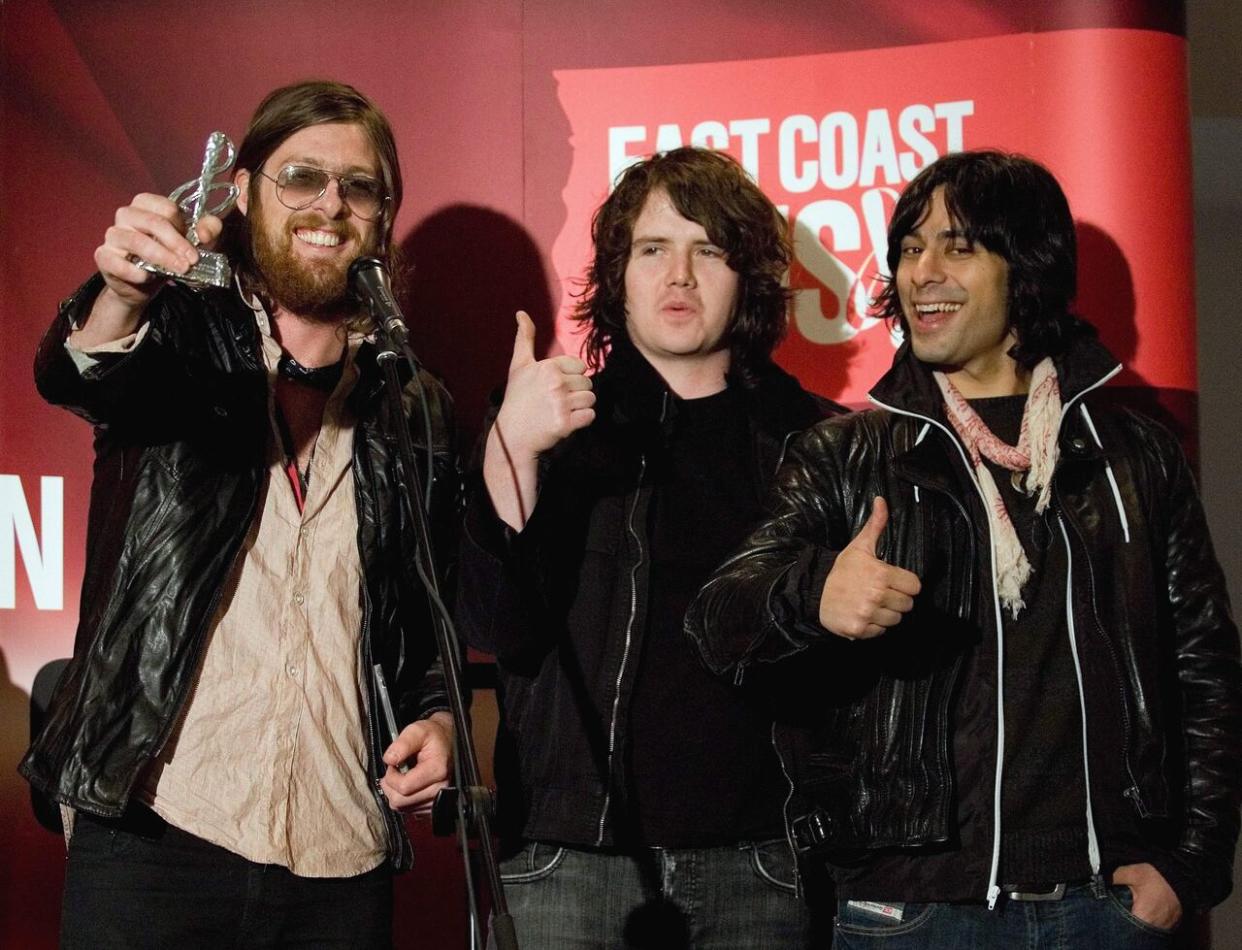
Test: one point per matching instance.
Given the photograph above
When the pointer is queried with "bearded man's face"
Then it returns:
(303, 256)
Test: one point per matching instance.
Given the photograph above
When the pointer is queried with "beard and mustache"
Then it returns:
(315, 290)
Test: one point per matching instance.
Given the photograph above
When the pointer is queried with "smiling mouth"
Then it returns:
(932, 315)
(318, 238)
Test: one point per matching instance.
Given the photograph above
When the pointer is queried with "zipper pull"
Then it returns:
(993, 896)
(1136, 796)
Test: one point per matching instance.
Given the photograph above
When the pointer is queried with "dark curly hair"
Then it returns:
(1015, 208)
(290, 109)
(713, 190)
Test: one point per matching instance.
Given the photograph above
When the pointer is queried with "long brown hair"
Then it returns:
(713, 190)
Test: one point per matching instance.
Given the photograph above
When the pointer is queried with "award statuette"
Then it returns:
(212, 269)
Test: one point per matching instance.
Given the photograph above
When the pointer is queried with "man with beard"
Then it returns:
(246, 594)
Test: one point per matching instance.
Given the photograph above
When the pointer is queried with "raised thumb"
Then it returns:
(869, 536)
(523, 342)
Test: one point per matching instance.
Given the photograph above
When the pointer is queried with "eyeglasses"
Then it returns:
(300, 186)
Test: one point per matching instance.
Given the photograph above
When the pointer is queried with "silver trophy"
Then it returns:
(212, 269)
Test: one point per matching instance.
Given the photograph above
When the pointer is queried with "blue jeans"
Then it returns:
(1080, 920)
(730, 898)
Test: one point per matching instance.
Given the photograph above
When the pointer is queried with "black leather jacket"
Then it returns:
(563, 604)
(866, 727)
(181, 429)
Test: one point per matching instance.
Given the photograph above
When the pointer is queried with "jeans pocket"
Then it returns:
(1121, 898)
(773, 863)
(534, 862)
(881, 918)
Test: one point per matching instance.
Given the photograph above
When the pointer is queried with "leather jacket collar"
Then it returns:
(634, 396)
(908, 385)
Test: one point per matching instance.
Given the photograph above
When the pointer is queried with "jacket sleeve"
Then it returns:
(762, 604)
(168, 383)
(1209, 678)
(149, 385)
(500, 593)
(428, 693)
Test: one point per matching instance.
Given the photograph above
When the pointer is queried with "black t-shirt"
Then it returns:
(702, 767)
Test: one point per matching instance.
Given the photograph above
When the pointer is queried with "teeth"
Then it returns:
(938, 307)
(319, 238)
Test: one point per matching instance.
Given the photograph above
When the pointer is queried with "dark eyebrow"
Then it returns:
(639, 239)
(945, 234)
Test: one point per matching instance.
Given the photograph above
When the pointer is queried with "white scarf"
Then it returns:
(1035, 454)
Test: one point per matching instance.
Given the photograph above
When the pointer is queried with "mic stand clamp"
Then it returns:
(479, 799)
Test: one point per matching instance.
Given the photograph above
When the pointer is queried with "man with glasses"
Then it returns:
(217, 732)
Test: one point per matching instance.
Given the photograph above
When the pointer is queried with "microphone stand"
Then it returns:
(469, 804)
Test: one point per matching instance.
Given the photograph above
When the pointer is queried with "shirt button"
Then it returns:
(298, 598)
(292, 670)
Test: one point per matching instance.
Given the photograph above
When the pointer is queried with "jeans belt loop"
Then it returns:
(1055, 894)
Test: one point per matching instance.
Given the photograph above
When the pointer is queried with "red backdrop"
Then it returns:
(511, 118)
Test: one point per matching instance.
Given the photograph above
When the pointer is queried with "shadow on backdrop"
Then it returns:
(1106, 299)
(472, 268)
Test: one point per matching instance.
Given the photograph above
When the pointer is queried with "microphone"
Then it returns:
(368, 279)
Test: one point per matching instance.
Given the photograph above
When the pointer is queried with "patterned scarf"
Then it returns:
(1035, 454)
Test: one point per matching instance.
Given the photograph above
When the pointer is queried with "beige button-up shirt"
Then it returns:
(269, 759)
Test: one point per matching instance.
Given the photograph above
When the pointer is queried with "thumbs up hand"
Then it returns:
(863, 596)
(545, 400)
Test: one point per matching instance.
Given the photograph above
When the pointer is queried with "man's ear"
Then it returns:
(241, 178)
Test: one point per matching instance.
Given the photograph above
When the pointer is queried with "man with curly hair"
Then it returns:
(640, 797)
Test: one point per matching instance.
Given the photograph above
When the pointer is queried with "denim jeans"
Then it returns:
(1080, 920)
(137, 883)
(730, 898)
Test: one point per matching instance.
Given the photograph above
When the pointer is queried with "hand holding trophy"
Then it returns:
(212, 268)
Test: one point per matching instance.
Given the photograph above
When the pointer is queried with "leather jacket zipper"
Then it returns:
(1093, 842)
(397, 848)
(772, 738)
(993, 891)
(625, 653)
(797, 870)
(1132, 792)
